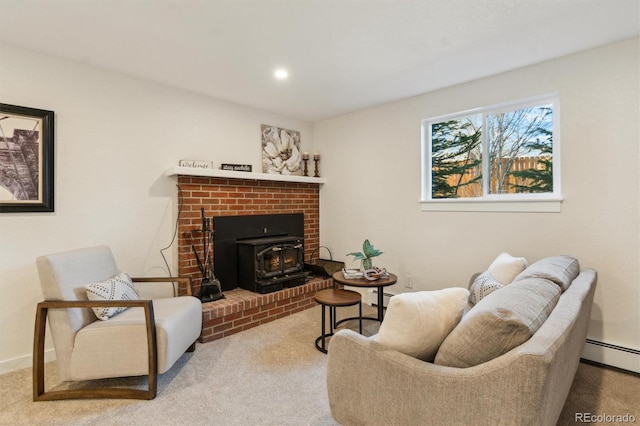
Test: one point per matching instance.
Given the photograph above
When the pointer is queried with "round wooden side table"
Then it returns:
(332, 298)
(391, 279)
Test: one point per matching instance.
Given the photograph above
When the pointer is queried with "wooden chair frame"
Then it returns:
(42, 309)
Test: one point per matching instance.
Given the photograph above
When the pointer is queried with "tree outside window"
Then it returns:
(493, 152)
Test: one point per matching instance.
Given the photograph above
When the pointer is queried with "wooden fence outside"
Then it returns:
(508, 186)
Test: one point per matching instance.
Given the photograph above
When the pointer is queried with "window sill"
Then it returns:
(529, 205)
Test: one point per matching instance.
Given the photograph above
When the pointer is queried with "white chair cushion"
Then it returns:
(118, 347)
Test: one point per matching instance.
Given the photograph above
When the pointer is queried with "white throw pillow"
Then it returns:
(506, 267)
(417, 323)
(118, 287)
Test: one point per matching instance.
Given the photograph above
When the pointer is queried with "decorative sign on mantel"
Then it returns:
(197, 164)
(236, 167)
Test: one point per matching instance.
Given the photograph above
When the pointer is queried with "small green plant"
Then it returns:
(368, 252)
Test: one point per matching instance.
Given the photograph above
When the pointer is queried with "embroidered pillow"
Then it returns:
(482, 286)
(118, 287)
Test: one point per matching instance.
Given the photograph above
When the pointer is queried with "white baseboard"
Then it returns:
(15, 364)
(612, 355)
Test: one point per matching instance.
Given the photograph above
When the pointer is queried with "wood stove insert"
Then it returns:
(250, 235)
(270, 264)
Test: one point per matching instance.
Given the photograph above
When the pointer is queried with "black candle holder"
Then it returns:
(317, 171)
(306, 170)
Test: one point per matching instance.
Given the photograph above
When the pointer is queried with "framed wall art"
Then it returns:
(281, 151)
(26, 159)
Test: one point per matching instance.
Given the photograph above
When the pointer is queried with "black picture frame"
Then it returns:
(26, 159)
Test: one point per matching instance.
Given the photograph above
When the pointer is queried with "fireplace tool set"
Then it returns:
(210, 288)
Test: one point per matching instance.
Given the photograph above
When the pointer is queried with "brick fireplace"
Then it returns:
(219, 196)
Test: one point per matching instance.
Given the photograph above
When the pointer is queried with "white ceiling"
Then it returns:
(343, 55)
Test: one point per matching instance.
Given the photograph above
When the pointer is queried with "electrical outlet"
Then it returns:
(408, 283)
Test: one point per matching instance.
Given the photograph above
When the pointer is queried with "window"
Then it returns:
(499, 158)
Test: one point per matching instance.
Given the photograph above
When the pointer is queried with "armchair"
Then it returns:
(145, 339)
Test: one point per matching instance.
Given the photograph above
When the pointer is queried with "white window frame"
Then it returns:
(539, 202)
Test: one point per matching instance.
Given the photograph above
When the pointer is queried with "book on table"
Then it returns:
(351, 274)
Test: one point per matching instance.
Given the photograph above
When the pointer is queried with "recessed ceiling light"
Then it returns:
(281, 74)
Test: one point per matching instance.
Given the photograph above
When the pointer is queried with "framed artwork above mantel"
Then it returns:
(281, 151)
(26, 159)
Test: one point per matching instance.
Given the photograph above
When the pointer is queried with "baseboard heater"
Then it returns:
(373, 297)
(612, 355)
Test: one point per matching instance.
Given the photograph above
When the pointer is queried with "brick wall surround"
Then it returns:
(235, 197)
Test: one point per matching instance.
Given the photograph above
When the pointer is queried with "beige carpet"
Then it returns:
(269, 375)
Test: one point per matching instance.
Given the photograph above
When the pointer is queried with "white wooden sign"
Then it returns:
(196, 164)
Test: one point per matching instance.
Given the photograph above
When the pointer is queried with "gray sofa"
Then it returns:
(371, 384)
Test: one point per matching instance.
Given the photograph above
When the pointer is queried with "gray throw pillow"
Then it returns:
(498, 323)
(561, 270)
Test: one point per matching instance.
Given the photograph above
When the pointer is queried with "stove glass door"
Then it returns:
(269, 262)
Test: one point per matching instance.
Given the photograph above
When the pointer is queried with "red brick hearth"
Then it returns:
(242, 309)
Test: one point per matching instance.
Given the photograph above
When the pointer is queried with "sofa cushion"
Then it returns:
(483, 285)
(499, 322)
(416, 323)
(505, 267)
(118, 287)
(561, 270)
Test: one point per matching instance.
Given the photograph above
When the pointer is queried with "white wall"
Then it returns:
(372, 161)
(114, 138)
(116, 135)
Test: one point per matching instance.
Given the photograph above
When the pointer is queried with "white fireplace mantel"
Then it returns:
(230, 174)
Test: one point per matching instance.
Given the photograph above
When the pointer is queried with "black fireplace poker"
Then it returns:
(210, 288)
